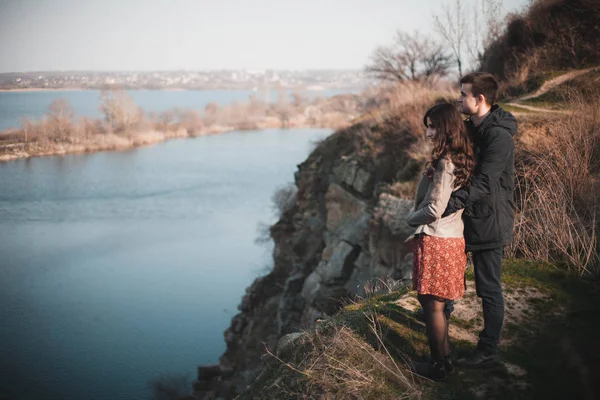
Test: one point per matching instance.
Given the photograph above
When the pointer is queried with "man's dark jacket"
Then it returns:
(488, 202)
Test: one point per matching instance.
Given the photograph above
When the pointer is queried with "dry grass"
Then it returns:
(405, 106)
(340, 364)
(341, 358)
(390, 133)
(550, 35)
(333, 361)
(557, 190)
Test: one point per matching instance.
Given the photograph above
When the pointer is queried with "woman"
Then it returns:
(439, 257)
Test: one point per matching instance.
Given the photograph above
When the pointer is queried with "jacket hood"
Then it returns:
(498, 118)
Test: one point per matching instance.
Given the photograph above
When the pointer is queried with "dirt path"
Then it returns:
(554, 82)
(535, 109)
(547, 86)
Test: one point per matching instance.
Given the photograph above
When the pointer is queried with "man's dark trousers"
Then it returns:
(488, 265)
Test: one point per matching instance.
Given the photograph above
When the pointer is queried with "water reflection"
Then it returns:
(116, 267)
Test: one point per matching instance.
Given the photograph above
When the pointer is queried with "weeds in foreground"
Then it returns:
(334, 362)
(346, 358)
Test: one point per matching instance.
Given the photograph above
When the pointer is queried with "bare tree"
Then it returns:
(27, 126)
(411, 57)
(165, 119)
(487, 25)
(60, 115)
(387, 65)
(120, 111)
(282, 107)
(211, 109)
(256, 106)
(435, 62)
(298, 98)
(452, 26)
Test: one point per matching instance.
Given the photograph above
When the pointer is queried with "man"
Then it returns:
(488, 202)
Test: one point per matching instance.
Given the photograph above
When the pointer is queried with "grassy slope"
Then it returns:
(556, 97)
(549, 348)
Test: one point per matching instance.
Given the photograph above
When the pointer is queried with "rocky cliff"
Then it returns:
(337, 241)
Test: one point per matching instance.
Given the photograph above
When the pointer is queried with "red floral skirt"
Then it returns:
(439, 266)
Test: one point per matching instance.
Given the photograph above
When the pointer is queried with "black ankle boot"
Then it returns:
(432, 369)
(448, 365)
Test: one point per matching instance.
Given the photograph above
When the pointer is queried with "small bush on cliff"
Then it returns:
(284, 199)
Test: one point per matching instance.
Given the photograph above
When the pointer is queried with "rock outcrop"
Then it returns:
(344, 235)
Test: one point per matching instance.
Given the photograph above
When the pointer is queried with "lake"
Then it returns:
(120, 267)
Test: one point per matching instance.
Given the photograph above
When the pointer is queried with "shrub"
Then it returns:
(551, 35)
(284, 199)
(557, 191)
(120, 112)
(333, 362)
(60, 119)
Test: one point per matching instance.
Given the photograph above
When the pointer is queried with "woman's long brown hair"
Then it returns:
(453, 140)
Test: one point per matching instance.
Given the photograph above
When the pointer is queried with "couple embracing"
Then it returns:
(464, 202)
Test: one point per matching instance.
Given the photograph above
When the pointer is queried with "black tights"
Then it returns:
(436, 323)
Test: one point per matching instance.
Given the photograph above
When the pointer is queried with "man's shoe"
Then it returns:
(479, 358)
(448, 365)
(431, 369)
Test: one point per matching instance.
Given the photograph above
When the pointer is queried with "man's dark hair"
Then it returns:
(483, 83)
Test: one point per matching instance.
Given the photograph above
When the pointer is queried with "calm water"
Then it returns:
(117, 268)
(14, 105)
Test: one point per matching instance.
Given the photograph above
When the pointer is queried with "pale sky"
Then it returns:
(200, 34)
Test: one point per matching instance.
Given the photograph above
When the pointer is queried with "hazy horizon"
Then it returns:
(180, 69)
(188, 35)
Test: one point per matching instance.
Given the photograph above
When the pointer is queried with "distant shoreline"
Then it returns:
(71, 89)
(112, 142)
(124, 127)
(44, 90)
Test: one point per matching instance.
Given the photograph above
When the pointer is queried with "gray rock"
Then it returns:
(403, 270)
(311, 287)
(355, 230)
(363, 182)
(340, 264)
(294, 284)
(286, 342)
(353, 176)
(310, 316)
(329, 238)
(328, 251)
(345, 172)
(347, 216)
(360, 275)
(363, 261)
(394, 211)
